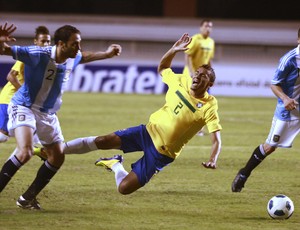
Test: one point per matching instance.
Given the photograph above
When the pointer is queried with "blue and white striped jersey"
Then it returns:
(287, 76)
(45, 80)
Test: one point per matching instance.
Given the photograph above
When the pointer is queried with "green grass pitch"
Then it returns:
(183, 196)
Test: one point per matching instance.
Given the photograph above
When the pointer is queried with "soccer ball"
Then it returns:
(280, 207)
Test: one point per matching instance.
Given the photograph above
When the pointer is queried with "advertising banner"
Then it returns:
(240, 80)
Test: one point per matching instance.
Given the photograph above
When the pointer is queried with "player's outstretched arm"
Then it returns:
(179, 46)
(112, 51)
(215, 150)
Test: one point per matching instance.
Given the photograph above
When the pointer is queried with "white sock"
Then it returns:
(120, 173)
(80, 145)
(261, 148)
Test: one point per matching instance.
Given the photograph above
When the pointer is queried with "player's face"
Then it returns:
(43, 40)
(200, 80)
(72, 46)
(206, 28)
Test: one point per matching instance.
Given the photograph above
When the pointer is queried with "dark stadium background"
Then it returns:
(218, 9)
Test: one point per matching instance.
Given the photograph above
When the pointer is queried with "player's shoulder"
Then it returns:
(212, 100)
(39, 49)
(288, 57)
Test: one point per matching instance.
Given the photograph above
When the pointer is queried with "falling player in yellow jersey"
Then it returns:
(187, 109)
(15, 79)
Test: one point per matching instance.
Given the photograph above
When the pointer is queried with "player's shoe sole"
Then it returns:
(109, 162)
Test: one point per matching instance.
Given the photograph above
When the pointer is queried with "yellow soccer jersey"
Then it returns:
(9, 90)
(201, 51)
(182, 116)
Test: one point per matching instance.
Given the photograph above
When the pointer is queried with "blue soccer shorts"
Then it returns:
(3, 117)
(138, 139)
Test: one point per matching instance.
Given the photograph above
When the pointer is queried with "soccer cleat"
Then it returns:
(238, 182)
(109, 162)
(29, 204)
(40, 152)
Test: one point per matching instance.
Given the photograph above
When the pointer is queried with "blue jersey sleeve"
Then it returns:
(30, 55)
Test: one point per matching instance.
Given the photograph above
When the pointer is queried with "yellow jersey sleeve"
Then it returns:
(9, 90)
(182, 115)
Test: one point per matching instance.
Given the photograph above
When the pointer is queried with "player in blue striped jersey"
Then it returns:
(286, 121)
(34, 106)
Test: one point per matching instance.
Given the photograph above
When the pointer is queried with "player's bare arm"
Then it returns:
(179, 46)
(112, 51)
(215, 150)
(289, 103)
(12, 77)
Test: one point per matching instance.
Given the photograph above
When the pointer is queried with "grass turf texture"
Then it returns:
(183, 196)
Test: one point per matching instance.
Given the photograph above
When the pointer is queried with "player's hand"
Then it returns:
(290, 104)
(182, 43)
(6, 32)
(114, 50)
(209, 165)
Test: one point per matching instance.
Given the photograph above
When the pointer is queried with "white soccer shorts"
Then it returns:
(46, 125)
(283, 133)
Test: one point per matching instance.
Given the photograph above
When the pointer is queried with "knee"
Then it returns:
(55, 157)
(24, 154)
(110, 141)
(124, 188)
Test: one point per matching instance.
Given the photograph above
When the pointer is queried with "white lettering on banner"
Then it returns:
(243, 80)
(131, 75)
(116, 81)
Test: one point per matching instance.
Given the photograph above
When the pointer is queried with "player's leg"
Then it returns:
(24, 151)
(255, 159)
(49, 132)
(80, 145)
(258, 155)
(114, 164)
(282, 134)
(131, 140)
(126, 182)
(45, 173)
(48, 169)
(128, 140)
(92, 143)
(129, 184)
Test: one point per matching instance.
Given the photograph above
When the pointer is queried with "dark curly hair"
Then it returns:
(41, 30)
(64, 33)
(212, 75)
